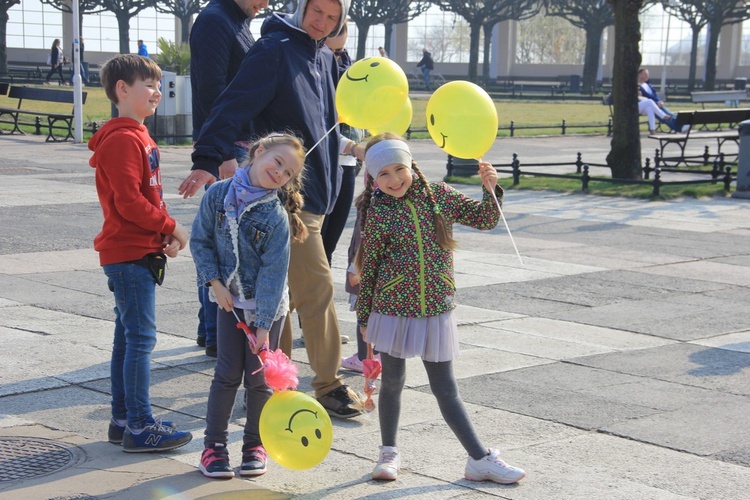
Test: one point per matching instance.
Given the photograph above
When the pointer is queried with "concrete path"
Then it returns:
(613, 363)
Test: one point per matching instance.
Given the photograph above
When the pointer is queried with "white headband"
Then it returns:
(386, 153)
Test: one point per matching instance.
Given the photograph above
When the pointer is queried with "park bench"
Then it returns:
(725, 121)
(731, 97)
(41, 95)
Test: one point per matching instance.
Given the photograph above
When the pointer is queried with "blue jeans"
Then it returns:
(207, 316)
(426, 77)
(135, 337)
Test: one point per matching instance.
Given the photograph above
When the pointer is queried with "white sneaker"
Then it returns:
(388, 464)
(352, 363)
(492, 468)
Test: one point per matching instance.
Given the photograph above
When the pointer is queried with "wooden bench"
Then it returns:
(42, 95)
(731, 97)
(694, 120)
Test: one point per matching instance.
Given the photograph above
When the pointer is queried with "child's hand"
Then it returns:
(353, 279)
(171, 246)
(223, 297)
(261, 339)
(488, 174)
(181, 234)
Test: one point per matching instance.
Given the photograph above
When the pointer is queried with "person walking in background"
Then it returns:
(427, 65)
(136, 237)
(55, 60)
(142, 49)
(219, 39)
(246, 270)
(406, 296)
(82, 67)
(382, 52)
(287, 82)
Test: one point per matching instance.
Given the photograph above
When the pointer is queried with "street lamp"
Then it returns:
(671, 3)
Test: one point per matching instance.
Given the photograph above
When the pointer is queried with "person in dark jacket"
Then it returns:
(219, 40)
(56, 60)
(287, 82)
(427, 65)
(648, 91)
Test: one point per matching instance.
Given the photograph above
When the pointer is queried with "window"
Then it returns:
(444, 34)
(664, 35)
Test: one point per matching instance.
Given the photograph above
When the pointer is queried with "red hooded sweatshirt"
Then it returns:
(128, 181)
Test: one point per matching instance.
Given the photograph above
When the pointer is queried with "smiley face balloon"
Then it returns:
(296, 430)
(371, 92)
(462, 119)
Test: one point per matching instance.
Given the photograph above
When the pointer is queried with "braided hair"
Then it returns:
(442, 230)
(291, 191)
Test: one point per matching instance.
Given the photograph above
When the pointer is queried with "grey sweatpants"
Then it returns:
(235, 363)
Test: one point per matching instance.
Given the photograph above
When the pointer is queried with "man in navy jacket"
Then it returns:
(648, 91)
(287, 82)
(219, 40)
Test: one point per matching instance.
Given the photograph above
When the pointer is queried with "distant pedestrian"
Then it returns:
(427, 65)
(136, 238)
(84, 73)
(142, 49)
(382, 52)
(406, 296)
(55, 59)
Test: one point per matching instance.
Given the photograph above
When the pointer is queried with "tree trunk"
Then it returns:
(624, 158)
(185, 28)
(123, 24)
(693, 58)
(476, 30)
(592, 59)
(361, 40)
(486, 56)
(712, 44)
(3, 43)
(388, 36)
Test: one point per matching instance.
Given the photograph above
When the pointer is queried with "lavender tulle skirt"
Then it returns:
(433, 338)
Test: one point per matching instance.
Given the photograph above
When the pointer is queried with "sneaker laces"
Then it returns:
(158, 426)
(387, 457)
(494, 457)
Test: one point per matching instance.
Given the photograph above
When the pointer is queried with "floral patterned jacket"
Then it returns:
(405, 272)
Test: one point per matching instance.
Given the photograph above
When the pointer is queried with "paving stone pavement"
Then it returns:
(612, 362)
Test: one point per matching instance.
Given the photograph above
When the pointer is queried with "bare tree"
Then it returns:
(592, 16)
(182, 10)
(124, 10)
(718, 13)
(84, 7)
(485, 14)
(624, 158)
(5, 6)
(367, 13)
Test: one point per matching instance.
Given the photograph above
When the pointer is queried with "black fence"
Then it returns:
(721, 171)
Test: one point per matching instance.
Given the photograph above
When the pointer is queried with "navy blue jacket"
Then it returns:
(287, 82)
(219, 40)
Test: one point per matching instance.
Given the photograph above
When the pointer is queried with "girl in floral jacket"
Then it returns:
(405, 306)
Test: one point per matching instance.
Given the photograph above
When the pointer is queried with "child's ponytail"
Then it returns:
(293, 205)
(363, 204)
(442, 231)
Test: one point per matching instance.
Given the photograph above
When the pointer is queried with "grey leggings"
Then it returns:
(234, 363)
(445, 389)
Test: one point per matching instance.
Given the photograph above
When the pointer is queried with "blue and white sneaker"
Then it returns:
(115, 432)
(154, 437)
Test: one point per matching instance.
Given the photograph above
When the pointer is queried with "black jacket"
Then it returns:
(286, 82)
(219, 40)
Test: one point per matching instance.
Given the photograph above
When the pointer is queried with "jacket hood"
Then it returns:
(296, 18)
(112, 126)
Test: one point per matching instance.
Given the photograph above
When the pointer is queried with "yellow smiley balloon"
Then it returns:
(400, 124)
(462, 119)
(371, 92)
(295, 430)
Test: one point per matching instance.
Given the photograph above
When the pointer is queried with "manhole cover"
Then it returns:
(22, 458)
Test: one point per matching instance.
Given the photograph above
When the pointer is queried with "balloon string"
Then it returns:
(321, 139)
(494, 197)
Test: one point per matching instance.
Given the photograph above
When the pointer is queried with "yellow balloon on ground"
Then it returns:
(462, 119)
(371, 92)
(400, 124)
(295, 430)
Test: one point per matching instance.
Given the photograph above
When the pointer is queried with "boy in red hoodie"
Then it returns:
(135, 239)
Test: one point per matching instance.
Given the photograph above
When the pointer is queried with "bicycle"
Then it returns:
(416, 81)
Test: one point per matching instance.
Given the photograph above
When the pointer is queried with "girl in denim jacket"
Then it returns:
(240, 245)
(405, 304)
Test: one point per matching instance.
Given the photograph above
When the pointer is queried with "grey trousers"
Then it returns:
(235, 364)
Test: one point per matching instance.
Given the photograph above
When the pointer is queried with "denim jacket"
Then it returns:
(259, 256)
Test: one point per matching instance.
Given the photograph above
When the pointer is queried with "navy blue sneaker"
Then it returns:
(115, 432)
(215, 461)
(154, 437)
